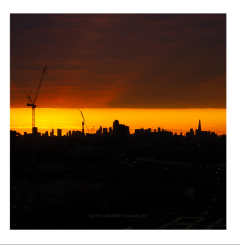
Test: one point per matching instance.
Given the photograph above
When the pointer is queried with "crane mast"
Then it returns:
(82, 123)
(32, 104)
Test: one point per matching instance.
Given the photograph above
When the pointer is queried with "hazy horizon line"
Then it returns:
(153, 108)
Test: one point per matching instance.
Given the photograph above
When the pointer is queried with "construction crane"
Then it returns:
(82, 123)
(32, 104)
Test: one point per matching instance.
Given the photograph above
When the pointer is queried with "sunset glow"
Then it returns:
(175, 120)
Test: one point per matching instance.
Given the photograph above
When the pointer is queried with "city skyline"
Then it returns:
(104, 131)
(213, 119)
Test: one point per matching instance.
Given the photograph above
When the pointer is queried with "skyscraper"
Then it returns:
(99, 131)
(199, 126)
(199, 130)
(191, 132)
(115, 126)
(120, 131)
(105, 131)
(59, 132)
(110, 130)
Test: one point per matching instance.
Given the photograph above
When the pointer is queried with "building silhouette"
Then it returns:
(198, 131)
(202, 134)
(99, 131)
(115, 126)
(110, 130)
(34, 131)
(59, 132)
(190, 134)
(199, 126)
(105, 131)
(45, 134)
(52, 133)
(120, 131)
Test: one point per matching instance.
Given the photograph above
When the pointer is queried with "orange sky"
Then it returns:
(119, 60)
(175, 120)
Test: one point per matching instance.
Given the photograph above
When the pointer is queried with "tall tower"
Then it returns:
(59, 132)
(115, 126)
(199, 126)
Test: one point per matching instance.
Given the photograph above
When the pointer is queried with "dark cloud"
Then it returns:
(138, 60)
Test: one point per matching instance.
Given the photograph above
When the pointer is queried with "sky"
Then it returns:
(119, 61)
